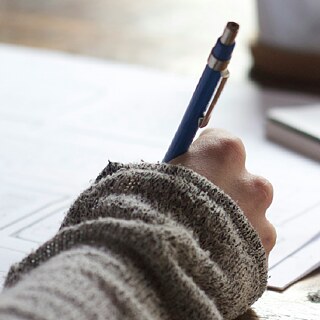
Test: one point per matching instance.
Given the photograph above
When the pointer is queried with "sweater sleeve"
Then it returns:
(145, 241)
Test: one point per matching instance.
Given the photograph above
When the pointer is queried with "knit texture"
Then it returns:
(145, 241)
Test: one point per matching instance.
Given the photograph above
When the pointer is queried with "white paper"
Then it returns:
(296, 266)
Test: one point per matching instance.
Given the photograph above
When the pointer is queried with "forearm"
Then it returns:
(186, 242)
(85, 282)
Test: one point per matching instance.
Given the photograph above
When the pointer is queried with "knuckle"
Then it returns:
(222, 146)
(231, 149)
(263, 190)
(270, 238)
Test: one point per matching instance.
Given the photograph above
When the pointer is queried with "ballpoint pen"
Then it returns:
(206, 94)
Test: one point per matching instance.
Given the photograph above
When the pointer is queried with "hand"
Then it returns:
(220, 157)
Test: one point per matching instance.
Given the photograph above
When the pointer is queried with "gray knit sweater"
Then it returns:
(145, 241)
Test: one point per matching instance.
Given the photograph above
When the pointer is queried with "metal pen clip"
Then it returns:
(203, 121)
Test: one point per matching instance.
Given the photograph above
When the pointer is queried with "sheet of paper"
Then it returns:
(64, 117)
(296, 265)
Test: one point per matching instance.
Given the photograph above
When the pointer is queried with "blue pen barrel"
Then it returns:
(196, 108)
(217, 63)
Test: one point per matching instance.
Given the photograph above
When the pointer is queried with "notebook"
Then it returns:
(62, 117)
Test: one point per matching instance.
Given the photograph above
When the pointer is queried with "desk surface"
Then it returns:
(294, 303)
(164, 34)
(63, 28)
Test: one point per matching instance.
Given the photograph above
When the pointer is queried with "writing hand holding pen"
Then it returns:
(206, 94)
(221, 147)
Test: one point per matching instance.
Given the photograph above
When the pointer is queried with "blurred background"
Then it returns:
(174, 36)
